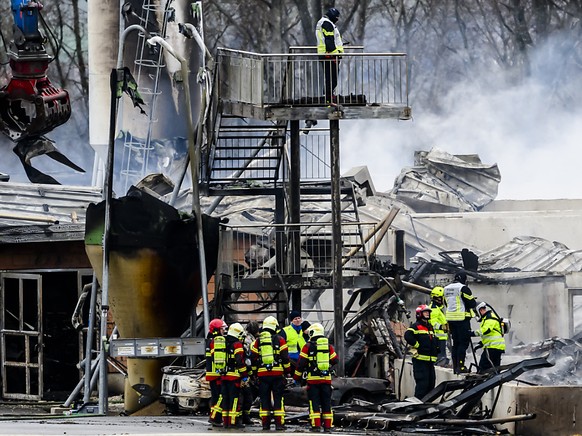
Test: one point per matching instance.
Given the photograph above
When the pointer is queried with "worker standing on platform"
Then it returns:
(271, 363)
(293, 335)
(330, 47)
(216, 328)
(315, 360)
(438, 321)
(460, 302)
(421, 337)
(235, 371)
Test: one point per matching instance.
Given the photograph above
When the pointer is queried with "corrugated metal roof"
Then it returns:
(23, 204)
(530, 254)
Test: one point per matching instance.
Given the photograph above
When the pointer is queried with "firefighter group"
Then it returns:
(447, 321)
(243, 363)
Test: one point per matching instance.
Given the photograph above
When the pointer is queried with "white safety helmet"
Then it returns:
(270, 323)
(315, 329)
(236, 330)
(481, 305)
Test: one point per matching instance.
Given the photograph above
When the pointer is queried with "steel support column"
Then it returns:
(338, 300)
(295, 208)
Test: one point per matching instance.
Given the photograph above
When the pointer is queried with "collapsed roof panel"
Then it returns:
(442, 182)
(531, 254)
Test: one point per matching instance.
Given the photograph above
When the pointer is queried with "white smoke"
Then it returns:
(532, 130)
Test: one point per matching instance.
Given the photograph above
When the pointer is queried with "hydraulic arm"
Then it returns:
(30, 105)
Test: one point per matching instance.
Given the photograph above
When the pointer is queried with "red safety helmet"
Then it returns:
(216, 324)
(422, 308)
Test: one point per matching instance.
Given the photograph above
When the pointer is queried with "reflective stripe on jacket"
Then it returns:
(457, 295)
(438, 320)
(420, 335)
(235, 355)
(308, 362)
(491, 332)
(295, 340)
(329, 40)
(281, 364)
(211, 373)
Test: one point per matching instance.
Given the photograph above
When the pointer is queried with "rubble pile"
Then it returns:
(567, 355)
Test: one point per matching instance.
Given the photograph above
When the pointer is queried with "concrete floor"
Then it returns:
(130, 426)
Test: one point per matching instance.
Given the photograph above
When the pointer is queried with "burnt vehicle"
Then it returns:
(184, 390)
(345, 390)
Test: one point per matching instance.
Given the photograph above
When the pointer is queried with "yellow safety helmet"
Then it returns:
(236, 330)
(315, 329)
(270, 323)
(437, 291)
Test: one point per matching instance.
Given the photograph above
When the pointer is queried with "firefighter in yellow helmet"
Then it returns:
(439, 322)
(271, 362)
(315, 360)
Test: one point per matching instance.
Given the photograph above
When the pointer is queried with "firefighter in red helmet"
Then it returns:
(216, 328)
(421, 337)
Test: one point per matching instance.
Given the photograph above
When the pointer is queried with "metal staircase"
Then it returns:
(245, 155)
(255, 148)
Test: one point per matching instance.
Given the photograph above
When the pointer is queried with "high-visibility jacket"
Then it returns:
(308, 362)
(420, 335)
(438, 320)
(459, 302)
(281, 363)
(491, 331)
(329, 40)
(295, 340)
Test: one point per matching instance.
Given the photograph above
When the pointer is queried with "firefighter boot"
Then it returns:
(455, 366)
(280, 423)
(246, 418)
(266, 420)
(327, 422)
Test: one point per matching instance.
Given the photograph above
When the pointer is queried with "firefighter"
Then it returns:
(236, 370)
(460, 303)
(421, 337)
(249, 389)
(315, 361)
(271, 363)
(330, 47)
(216, 328)
(293, 335)
(492, 341)
(438, 321)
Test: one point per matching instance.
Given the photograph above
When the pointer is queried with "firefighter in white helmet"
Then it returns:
(235, 370)
(491, 332)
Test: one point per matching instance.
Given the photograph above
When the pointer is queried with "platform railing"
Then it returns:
(265, 250)
(297, 78)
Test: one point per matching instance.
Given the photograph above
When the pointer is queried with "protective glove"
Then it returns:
(413, 352)
(479, 346)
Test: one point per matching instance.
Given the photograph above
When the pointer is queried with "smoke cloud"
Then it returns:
(531, 129)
